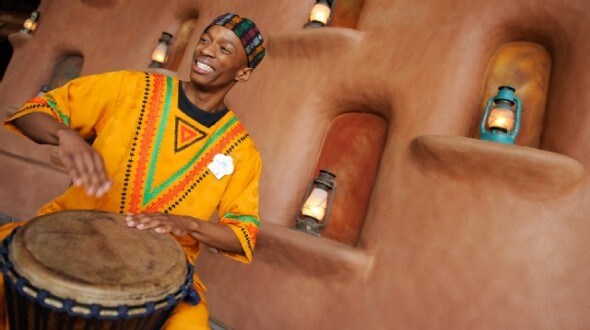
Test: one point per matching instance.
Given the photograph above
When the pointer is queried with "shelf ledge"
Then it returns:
(19, 39)
(295, 251)
(312, 43)
(531, 172)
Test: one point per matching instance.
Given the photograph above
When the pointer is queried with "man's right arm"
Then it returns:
(40, 127)
(82, 162)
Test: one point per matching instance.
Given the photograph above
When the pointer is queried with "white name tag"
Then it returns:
(221, 165)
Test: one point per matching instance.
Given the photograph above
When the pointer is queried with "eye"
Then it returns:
(203, 40)
(225, 50)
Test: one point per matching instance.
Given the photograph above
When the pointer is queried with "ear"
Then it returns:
(243, 74)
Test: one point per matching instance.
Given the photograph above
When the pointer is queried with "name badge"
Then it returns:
(221, 165)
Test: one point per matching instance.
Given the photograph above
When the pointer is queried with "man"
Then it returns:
(167, 153)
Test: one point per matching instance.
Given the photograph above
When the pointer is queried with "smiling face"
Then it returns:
(219, 60)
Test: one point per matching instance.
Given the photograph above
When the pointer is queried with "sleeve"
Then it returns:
(238, 208)
(83, 104)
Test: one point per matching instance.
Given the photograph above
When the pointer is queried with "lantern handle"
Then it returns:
(516, 129)
(482, 128)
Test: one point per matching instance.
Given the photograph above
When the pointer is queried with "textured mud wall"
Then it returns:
(458, 232)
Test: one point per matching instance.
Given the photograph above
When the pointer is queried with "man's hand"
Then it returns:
(84, 164)
(215, 235)
(163, 223)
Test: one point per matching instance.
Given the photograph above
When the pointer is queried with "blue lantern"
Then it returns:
(501, 118)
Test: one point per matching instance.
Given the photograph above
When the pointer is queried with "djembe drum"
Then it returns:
(88, 270)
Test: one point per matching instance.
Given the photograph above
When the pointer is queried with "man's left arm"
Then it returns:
(238, 208)
(235, 234)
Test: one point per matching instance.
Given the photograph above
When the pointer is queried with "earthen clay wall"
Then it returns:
(442, 230)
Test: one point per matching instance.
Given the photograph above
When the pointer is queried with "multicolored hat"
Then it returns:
(248, 33)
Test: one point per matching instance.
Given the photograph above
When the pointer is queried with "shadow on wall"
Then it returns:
(68, 68)
(5, 55)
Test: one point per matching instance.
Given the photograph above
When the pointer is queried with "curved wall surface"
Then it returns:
(449, 231)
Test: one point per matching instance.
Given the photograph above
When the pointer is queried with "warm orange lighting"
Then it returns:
(160, 53)
(320, 13)
(31, 23)
(315, 205)
(501, 119)
(502, 116)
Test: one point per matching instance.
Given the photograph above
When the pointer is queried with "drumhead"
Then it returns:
(94, 258)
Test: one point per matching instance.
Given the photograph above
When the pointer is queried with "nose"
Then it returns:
(209, 50)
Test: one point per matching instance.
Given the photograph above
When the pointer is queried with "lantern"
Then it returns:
(160, 53)
(31, 23)
(317, 204)
(321, 14)
(501, 120)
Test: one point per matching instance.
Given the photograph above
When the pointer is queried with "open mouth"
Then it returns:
(203, 67)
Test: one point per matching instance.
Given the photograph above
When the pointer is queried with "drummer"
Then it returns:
(167, 153)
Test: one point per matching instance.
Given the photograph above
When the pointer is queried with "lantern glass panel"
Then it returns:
(320, 13)
(501, 119)
(29, 24)
(315, 205)
(160, 52)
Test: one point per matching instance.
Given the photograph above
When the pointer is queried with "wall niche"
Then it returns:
(347, 13)
(178, 49)
(526, 66)
(352, 150)
(68, 68)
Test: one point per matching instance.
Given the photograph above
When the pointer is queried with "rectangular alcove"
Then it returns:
(351, 149)
(526, 66)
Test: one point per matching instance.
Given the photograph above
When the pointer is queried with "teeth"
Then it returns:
(204, 67)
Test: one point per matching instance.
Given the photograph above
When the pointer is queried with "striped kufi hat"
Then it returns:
(248, 33)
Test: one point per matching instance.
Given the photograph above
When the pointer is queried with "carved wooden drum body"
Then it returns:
(88, 270)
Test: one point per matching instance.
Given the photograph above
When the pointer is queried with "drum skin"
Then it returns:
(94, 259)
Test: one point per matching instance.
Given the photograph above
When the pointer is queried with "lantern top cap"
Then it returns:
(166, 36)
(506, 94)
(35, 14)
(325, 178)
(328, 173)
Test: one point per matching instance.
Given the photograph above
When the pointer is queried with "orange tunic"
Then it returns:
(157, 156)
